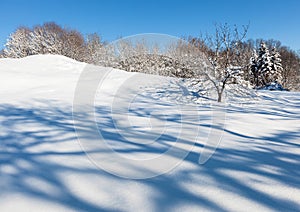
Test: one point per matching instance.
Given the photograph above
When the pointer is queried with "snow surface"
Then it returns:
(43, 167)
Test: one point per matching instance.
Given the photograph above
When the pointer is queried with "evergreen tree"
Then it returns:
(265, 67)
(254, 75)
(264, 64)
(276, 66)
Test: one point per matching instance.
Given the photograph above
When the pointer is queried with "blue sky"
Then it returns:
(277, 19)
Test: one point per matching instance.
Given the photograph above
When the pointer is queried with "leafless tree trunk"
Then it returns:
(226, 62)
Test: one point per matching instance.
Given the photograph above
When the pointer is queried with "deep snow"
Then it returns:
(43, 167)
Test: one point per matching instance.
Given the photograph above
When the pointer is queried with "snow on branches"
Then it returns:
(265, 67)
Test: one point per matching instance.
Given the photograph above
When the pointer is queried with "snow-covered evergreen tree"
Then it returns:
(264, 63)
(265, 67)
(276, 66)
(254, 72)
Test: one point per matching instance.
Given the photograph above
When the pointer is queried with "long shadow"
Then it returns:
(281, 105)
(267, 160)
(260, 165)
(23, 160)
(258, 160)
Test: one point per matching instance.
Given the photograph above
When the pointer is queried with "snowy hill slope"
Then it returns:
(43, 166)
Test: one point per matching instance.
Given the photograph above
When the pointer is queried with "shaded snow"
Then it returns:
(42, 166)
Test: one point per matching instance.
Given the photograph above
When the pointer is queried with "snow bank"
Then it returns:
(43, 167)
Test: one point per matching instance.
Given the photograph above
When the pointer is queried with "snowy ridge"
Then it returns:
(43, 167)
(47, 58)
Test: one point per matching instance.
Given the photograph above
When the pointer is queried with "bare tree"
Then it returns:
(189, 54)
(18, 44)
(93, 45)
(74, 45)
(48, 38)
(291, 68)
(225, 61)
(139, 56)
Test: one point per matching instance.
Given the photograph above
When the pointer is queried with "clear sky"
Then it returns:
(277, 19)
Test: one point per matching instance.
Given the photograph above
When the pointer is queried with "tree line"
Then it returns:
(223, 57)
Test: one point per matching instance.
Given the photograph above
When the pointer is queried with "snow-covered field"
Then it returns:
(43, 166)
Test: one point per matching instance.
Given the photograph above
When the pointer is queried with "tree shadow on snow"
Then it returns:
(23, 157)
(34, 151)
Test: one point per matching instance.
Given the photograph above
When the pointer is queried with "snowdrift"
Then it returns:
(256, 165)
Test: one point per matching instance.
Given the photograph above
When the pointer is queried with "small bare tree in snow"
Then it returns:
(224, 64)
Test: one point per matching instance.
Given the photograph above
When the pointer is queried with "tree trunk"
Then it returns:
(220, 91)
(220, 96)
(256, 80)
